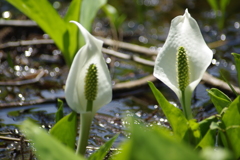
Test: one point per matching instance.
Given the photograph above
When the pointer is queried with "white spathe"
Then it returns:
(89, 54)
(184, 32)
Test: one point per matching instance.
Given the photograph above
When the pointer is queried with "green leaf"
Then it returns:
(193, 135)
(10, 60)
(237, 64)
(219, 99)
(59, 113)
(71, 41)
(89, 9)
(204, 125)
(103, 150)
(154, 144)
(66, 130)
(47, 147)
(73, 12)
(216, 125)
(208, 140)
(231, 122)
(226, 77)
(174, 115)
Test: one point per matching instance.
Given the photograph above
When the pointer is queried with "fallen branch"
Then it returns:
(12, 139)
(26, 43)
(133, 84)
(37, 77)
(18, 23)
(213, 81)
(129, 46)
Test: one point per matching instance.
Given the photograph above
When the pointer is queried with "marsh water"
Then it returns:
(32, 77)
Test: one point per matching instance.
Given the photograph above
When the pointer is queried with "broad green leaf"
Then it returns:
(89, 9)
(174, 115)
(208, 139)
(231, 122)
(42, 12)
(47, 147)
(66, 130)
(193, 135)
(219, 99)
(237, 64)
(73, 14)
(204, 125)
(103, 150)
(59, 113)
(154, 144)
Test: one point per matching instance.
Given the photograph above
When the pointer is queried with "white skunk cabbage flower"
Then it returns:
(88, 83)
(183, 59)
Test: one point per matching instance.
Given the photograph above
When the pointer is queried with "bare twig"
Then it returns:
(39, 75)
(213, 81)
(133, 84)
(129, 46)
(12, 139)
(18, 23)
(26, 43)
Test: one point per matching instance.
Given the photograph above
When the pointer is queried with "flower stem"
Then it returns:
(89, 105)
(85, 125)
(186, 108)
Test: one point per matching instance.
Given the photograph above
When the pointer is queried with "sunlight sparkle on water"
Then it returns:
(6, 14)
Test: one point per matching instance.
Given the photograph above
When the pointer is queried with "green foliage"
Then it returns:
(226, 77)
(219, 5)
(174, 115)
(231, 124)
(219, 99)
(65, 130)
(59, 113)
(47, 147)
(222, 129)
(64, 34)
(10, 60)
(208, 140)
(115, 19)
(154, 143)
(205, 123)
(228, 123)
(237, 64)
(103, 150)
(88, 12)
